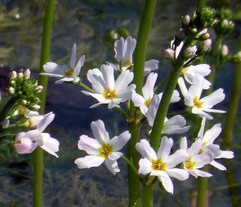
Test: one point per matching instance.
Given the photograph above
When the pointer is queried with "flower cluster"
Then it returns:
(20, 114)
(111, 85)
(24, 89)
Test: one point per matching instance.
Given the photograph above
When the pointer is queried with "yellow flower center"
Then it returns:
(109, 94)
(189, 164)
(184, 70)
(126, 64)
(158, 165)
(69, 72)
(147, 102)
(105, 150)
(197, 102)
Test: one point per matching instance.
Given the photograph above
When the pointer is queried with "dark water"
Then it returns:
(89, 24)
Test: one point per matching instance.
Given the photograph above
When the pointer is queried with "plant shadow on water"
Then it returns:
(91, 25)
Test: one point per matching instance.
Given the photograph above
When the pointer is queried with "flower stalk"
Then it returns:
(45, 54)
(134, 126)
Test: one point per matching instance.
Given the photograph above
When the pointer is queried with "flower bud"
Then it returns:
(180, 34)
(27, 74)
(206, 45)
(186, 20)
(39, 88)
(13, 75)
(190, 52)
(20, 75)
(11, 90)
(224, 50)
(168, 53)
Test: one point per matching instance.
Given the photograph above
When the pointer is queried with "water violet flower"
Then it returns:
(192, 97)
(63, 72)
(106, 89)
(101, 148)
(26, 142)
(162, 164)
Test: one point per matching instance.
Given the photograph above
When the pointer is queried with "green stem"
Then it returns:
(42, 80)
(147, 195)
(166, 98)
(202, 197)
(133, 180)
(203, 182)
(134, 124)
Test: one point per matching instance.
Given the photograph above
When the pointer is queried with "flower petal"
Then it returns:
(89, 161)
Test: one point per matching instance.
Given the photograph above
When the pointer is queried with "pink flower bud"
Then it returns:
(168, 53)
(207, 44)
(224, 50)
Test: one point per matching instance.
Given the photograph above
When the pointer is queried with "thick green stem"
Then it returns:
(166, 98)
(133, 180)
(134, 124)
(38, 154)
(147, 195)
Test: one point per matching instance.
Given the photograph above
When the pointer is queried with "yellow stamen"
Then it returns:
(147, 102)
(159, 165)
(126, 64)
(109, 94)
(189, 164)
(197, 102)
(184, 70)
(105, 150)
(69, 72)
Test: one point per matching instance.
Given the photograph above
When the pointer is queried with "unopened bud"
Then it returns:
(13, 75)
(186, 20)
(27, 74)
(24, 102)
(36, 107)
(20, 75)
(39, 88)
(237, 57)
(224, 50)
(168, 53)
(11, 90)
(180, 34)
(207, 45)
(190, 52)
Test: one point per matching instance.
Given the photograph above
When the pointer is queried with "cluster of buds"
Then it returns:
(225, 25)
(25, 89)
(194, 27)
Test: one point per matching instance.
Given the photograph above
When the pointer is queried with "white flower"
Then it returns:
(107, 90)
(26, 142)
(63, 72)
(162, 164)
(154, 104)
(189, 73)
(124, 49)
(150, 66)
(195, 160)
(208, 139)
(174, 125)
(200, 106)
(143, 102)
(102, 148)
